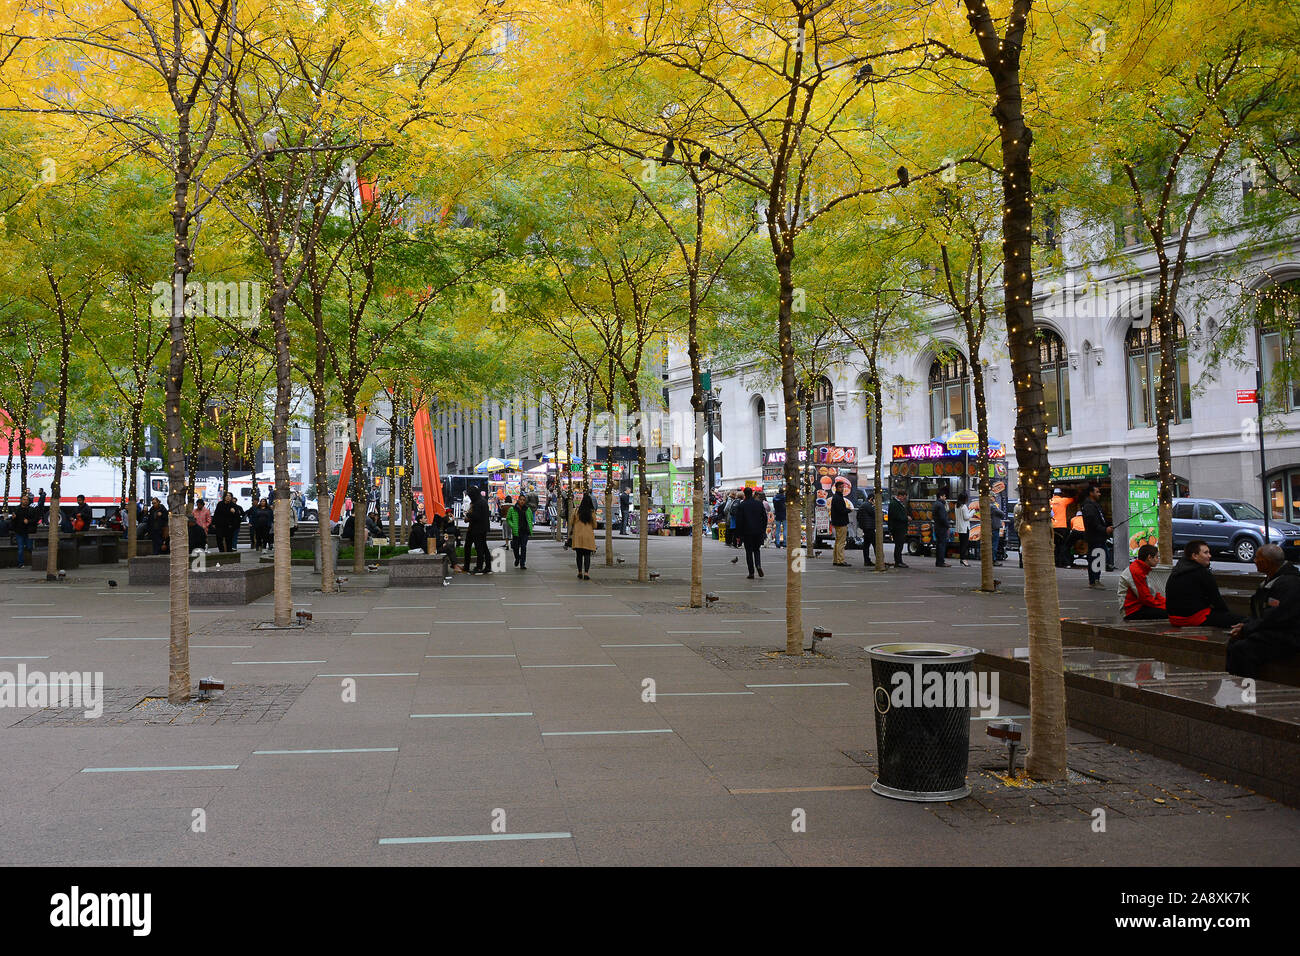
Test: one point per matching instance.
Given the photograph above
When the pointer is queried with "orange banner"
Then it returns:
(345, 477)
(430, 480)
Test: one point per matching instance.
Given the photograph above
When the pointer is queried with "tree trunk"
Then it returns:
(794, 556)
(609, 506)
(1046, 758)
(982, 464)
(133, 491)
(324, 503)
(283, 543)
(360, 504)
(878, 448)
(1164, 320)
(697, 456)
(60, 430)
(809, 474)
(643, 496)
(22, 458)
(178, 686)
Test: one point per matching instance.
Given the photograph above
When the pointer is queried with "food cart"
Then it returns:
(832, 466)
(950, 462)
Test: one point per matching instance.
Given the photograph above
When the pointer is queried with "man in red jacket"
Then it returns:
(1139, 603)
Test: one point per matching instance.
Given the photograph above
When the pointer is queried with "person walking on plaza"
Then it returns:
(999, 539)
(624, 506)
(476, 534)
(1272, 632)
(898, 527)
(584, 535)
(520, 521)
(1192, 595)
(261, 519)
(761, 497)
(26, 521)
(505, 508)
(156, 524)
(778, 515)
(867, 525)
(42, 513)
(752, 525)
(840, 526)
(1095, 532)
(203, 518)
(942, 521)
(1138, 602)
(963, 526)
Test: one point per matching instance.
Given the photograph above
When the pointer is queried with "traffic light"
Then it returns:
(501, 430)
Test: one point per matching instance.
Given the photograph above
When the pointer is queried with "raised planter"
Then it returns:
(234, 585)
(418, 570)
(1200, 719)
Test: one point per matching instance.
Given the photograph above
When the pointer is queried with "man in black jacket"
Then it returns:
(778, 515)
(840, 526)
(1272, 632)
(942, 528)
(1192, 596)
(1095, 532)
(867, 525)
(898, 527)
(476, 534)
(26, 519)
(751, 524)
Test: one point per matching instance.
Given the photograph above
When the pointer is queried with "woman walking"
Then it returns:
(518, 522)
(584, 535)
(964, 511)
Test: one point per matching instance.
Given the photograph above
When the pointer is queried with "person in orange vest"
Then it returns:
(1060, 526)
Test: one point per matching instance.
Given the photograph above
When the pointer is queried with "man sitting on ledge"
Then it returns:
(1272, 632)
(1140, 603)
(1192, 597)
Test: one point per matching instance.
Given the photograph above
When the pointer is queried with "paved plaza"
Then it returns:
(510, 710)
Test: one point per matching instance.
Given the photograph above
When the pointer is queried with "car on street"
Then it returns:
(1231, 525)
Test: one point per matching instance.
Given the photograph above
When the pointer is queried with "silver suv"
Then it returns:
(1228, 524)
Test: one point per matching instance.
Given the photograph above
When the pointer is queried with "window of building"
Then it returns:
(866, 397)
(760, 427)
(949, 394)
(821, 402)
(1055, 366)
(1278, 316)
(1142, 347)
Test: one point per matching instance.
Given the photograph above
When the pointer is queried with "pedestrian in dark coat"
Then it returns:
(898, 522)
(156, 524)
(26, 521)
(942, 521)
(477, 533)
(751, 522)
(867, 525)
(1095, 532)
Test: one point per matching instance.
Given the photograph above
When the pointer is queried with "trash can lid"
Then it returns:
(910, 652)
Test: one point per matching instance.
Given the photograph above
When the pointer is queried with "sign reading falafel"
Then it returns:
(1143, 514)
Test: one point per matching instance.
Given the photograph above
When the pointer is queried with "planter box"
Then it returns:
(237, 585)
(418, 570)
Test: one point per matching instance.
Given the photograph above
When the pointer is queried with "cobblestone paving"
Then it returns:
(1102, 776)
(752, 658)
(239, 704)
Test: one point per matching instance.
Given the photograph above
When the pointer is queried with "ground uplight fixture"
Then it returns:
(654, 575)
(304, 617)
(710, 597)
(1010, 733)
(819, 633)
(209, 685)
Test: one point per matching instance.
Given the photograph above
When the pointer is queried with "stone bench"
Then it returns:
(98, 548)
(233, 585)
(69, 555)
(1201, 647)
(1205, 720)
(418, 570)
(156, 568)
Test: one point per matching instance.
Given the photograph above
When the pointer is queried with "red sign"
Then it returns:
(1246, 396)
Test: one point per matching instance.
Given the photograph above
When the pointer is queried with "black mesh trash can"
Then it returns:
(923, 700)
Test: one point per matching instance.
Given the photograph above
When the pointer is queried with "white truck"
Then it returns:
(99, 479)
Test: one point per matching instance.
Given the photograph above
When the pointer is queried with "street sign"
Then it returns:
(1246, 396)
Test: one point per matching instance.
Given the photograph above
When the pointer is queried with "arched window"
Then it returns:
(1055, 365)
(1278, 317)
(865, 394)
(949, 394)
(821, 402)
(1142, 346)
(760, 427)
